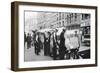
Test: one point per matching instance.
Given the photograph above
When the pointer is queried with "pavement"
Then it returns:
(29, 54)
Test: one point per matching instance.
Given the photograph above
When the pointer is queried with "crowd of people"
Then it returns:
(59, 47)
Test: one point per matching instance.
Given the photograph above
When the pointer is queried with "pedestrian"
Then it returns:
(62, 48)
(67, 45)
(47, 44)
(33, 38)
(25, 38)
(75, 44)
(37, 44)
(29, 41)
(42, 41)
(54, 49)
(51, 45)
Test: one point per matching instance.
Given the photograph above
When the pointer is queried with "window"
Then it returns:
(59, 15)
(70, 18)
(62, 23)
(62, 15)
(75, 16)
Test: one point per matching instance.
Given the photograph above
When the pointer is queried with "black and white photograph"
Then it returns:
(51, 36)
(56, 36)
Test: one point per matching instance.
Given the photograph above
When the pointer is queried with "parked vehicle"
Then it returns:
(86, 35)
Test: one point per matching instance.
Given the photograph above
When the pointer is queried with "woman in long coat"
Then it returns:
(54, 49)
(47, 44)
(62, 48)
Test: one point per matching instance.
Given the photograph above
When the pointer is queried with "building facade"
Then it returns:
(62, 19)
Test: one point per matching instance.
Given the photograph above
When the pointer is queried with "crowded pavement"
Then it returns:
(32, 53)
(30, 56)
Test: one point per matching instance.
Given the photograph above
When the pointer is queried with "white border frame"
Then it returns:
(34, 64)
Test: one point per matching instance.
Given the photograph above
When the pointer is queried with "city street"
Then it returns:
(31, 56)
(42, 25)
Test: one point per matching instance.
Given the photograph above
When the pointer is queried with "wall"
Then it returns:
(5, 40)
